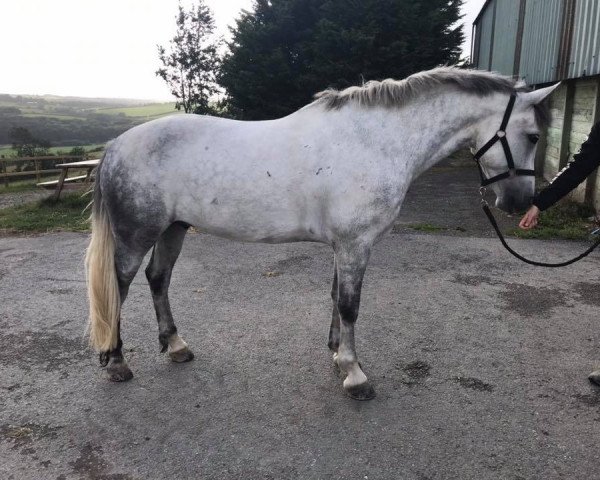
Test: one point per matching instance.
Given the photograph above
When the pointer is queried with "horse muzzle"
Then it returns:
(514, 202)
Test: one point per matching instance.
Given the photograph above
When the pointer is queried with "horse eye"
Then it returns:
(533, 137)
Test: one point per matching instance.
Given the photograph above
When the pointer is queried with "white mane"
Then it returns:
(394, 93)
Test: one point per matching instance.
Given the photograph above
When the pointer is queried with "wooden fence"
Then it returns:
(36, 167)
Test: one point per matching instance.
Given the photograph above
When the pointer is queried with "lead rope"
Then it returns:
(490, 215)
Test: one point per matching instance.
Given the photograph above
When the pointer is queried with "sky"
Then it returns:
(104, 48)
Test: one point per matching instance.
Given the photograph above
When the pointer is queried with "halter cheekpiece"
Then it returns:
(500, 135)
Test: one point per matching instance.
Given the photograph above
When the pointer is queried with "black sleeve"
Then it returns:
(576, 171)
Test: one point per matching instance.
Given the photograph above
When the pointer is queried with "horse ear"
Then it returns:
(539, 95)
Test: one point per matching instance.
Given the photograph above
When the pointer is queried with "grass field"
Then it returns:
(151, 111)
(51, 115)
(66, 214)
(22, 185)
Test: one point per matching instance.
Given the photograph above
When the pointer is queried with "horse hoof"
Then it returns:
(119, 372)
(181, 356)
(594, 377)
(364, 391)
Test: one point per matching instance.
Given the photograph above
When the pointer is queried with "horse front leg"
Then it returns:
(351, 264)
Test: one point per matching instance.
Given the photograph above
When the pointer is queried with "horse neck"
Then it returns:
(437, 126)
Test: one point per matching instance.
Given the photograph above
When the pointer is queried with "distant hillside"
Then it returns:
(75, 120)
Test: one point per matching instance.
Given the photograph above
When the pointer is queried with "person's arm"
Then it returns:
(568, 178)
(576, 171)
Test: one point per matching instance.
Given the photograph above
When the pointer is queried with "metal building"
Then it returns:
(542, 42)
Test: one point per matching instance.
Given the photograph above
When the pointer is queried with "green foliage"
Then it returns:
(20, 136)
(9, 111)
(26, 145)
(66, 214)
(8, 152)
(77, 151)
(189, 68)
(284, 51)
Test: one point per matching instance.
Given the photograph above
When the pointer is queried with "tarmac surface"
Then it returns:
(479, 362)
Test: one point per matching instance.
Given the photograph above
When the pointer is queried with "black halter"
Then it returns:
(512, 171)
(501, 135)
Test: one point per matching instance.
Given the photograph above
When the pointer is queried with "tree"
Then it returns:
(26, 144)
(190, 65)
(77, 151)
(284, 51)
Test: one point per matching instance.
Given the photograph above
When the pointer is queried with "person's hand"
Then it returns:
(530, 219)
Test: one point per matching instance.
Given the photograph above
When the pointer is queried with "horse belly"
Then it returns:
(251, 219)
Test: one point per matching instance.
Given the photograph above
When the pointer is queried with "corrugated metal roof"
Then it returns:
(585, 49)
(541, 41)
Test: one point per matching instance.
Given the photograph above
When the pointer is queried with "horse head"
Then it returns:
(505, 142)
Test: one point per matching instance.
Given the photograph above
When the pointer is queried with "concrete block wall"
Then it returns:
(575, 109)
(554, 133)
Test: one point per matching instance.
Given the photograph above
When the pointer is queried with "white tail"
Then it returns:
(102, 284)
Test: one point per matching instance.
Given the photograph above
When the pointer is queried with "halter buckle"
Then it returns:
(500, 133)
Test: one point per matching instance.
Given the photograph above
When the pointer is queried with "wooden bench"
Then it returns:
(53, 183)
(64, 181)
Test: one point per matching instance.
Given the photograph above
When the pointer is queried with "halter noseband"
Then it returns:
(501, 136)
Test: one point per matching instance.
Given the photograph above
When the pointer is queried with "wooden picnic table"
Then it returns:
(63, 179)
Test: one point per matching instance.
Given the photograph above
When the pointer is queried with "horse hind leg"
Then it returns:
(334, 329)
(110, 268)
(117, 369)
(158, 272)
(127, 263)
